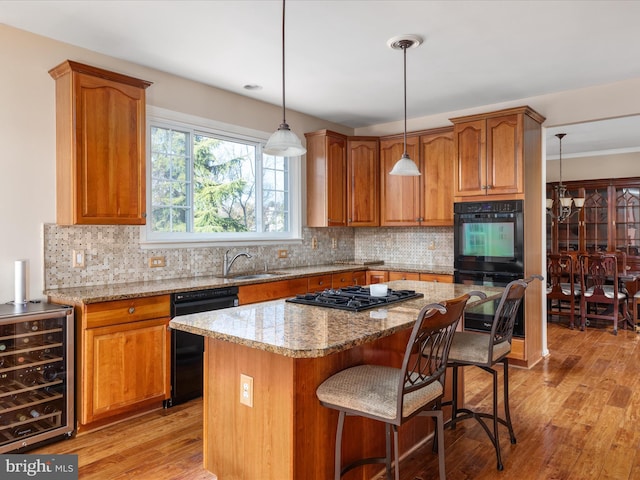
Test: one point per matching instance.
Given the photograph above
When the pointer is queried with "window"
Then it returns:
(210, 185)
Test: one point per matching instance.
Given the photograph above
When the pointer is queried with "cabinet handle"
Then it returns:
(132, 309)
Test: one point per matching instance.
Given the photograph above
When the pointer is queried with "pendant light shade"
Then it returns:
(405, 166)
(283, 142)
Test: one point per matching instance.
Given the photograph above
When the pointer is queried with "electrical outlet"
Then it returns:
(157, 262)
(314, 243)
(246, 390)
(334, 243)
(432, 245)
(78, 259)
(283, 253)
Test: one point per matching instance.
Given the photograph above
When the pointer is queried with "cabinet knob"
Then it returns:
(132, 309)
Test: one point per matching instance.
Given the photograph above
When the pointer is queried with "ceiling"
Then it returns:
(338, 64)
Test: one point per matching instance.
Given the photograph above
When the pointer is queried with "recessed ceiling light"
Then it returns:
(252, 87)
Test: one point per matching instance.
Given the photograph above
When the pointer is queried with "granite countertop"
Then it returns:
(119, 291)
(305, 331)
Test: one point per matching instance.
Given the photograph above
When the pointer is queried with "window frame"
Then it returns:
(160, 117)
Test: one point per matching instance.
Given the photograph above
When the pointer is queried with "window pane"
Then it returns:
(224, 185)
(207, 183)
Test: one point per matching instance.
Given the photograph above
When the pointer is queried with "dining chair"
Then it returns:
(602, 298)
(394, 395)
(563, 291)
(484, 350)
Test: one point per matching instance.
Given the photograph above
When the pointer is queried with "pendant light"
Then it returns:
(283, 142)
(561, 193)
(405, 166)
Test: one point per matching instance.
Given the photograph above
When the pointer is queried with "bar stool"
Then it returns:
(394, 395)
(484, 351)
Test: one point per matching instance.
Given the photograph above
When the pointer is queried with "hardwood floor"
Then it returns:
(576, 416)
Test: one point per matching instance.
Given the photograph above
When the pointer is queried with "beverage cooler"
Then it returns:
(36, 375)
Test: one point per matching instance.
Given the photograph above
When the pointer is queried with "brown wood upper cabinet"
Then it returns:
(423, 200)
(363, 166)
(100, 137)
(326, 179)
(342, 180)
(490, 151)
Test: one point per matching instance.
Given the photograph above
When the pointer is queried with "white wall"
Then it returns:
(27, 126)
(595, 167)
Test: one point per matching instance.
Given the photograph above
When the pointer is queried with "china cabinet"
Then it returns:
(609, 220)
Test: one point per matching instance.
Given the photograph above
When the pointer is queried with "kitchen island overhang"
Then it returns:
(288, 350)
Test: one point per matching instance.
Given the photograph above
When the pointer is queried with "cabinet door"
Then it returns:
(596, 220)
(399, 196)
(126, 367)
(437, 192)
(470, 156)
(627, 224)
(505, 168)
(326, 179)
(363, 167)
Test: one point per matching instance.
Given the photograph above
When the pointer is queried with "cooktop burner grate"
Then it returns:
(353, 299)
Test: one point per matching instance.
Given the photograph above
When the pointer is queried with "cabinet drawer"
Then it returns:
(403, 276)
(319, 283)
(436, 277)
(124, 311)
(347, 279)
(261, 292)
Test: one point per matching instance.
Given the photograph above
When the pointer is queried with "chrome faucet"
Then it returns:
(226, 265)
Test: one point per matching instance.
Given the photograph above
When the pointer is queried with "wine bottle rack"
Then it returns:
(34, 373)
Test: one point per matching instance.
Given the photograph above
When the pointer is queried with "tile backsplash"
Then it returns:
(113, 253)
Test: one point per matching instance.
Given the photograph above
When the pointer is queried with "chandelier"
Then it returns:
(566, 203)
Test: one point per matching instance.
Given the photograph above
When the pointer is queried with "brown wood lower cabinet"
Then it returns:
(123, 353)
(126, 367)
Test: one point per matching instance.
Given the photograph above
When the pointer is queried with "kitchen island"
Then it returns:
(288, 350)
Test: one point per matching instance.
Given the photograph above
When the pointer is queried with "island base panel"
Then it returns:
(287, 434)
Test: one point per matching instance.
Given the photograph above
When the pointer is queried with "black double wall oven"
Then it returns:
(489, 250)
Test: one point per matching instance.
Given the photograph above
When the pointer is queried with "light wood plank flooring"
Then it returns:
(576, 416)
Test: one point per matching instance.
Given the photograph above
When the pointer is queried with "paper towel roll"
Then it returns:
(20, 296)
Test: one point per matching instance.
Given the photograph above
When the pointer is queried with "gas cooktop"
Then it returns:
(353, 299)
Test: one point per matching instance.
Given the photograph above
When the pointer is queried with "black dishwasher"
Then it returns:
(187, 349)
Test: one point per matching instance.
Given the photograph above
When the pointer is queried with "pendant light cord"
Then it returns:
(284, 119)
(404, 51)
